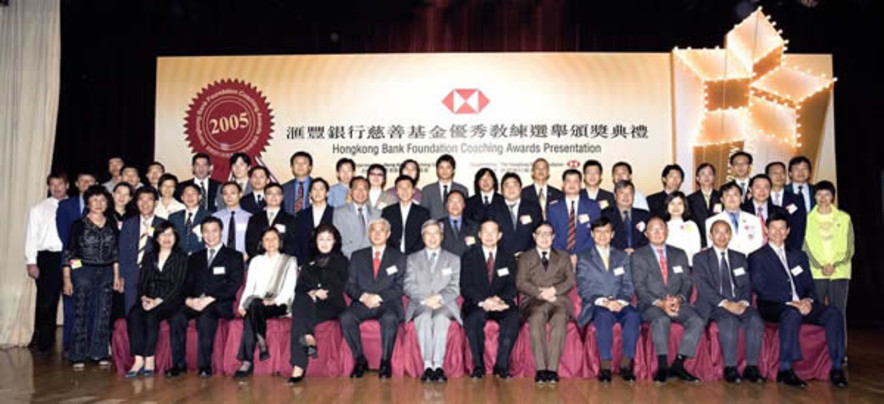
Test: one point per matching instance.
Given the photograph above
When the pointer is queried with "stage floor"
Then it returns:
(25, 377)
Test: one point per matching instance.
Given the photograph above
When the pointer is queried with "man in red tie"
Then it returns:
(760, 204)
(663, 286)
(375, 286)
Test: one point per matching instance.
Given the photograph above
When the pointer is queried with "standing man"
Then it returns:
(253, 202)
(352, 219)
(517, 217)
(435, 195)
(540, 192)
(741, 169)
(672, 178)
(405, 218)
(629, 222)
(458, 232)
(187, 221)
(296, 192)
(571, 217)
(235, 219)
(201, 166)
(592, 179)
(272, 216)
(748, 233)
(759, 202)
(136, 240)
(338, 194)
(706, 201)
(114, 168)
(240, 167)
(622, 171)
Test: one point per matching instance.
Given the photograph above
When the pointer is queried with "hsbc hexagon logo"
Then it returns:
(573, 164)
(465, 101)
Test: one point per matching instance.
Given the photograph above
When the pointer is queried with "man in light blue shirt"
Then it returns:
(337, 194)
(235, 219)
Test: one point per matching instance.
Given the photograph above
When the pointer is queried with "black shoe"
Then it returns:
(627, 374)
(428, 375)
(605, 375)
(263, 355)
(312, 351)
(731, 375)
(661, 375)
(502, 373)
(386, 371)
(540, 377)
(479, 372)
(439, 376)
(552, 377)
(176, 371)
(789, 378)
(242, 374)
(295, 380)
(205, 372)
(752, 375)
(359, 368)
(837, 377)
(680, 372)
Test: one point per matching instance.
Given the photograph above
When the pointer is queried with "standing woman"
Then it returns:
(167, 205)
(269, 291)
(123, 206)
(683, 232)
(829, 244)
(160, 295)
(91, 273)
(318, 213)
(377, 179)
(319, 296)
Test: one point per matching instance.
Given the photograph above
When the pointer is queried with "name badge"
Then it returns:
(218, 271)
(583, 218)
(503, 272)
(797, 270)
(716, 208)
(280, 228)
(525, 219)
(446, 271)
(677, 269)
(640, 226)
(392, 270)
(619, 271)
(603, 203)
(76, 264)
(739, 271)
(469, 240)
(791, 208)
(150, 231)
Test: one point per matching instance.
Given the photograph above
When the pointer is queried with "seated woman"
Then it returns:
(160, 295)
(319, 296)
(269, 290)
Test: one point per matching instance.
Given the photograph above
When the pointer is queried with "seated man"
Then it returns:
(214, 275)
(375, 285)
(545, 275)
(723, 295)
(784, 287)
(663, 286)
(432, 284)
(488, 287)
(604, 282)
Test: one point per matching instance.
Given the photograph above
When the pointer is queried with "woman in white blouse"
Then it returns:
(269, 291)
(683, 232)
(167, 205)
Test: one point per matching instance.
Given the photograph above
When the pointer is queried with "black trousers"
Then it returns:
(474, 326)
(254, 325)
(389, 315)
(306, 314)
(48, 292)
(206, 326)
(144, 327)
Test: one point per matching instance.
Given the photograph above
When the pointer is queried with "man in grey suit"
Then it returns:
(432, 284)
(723, 295)
(458, 232)
(604, 283)
(663, 286)
(434, 196)
(352, 219)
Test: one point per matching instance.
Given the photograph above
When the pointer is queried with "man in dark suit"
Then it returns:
(190, 238)
(759, 203)
(741, 169)
(488, 287)
(375, 285)
(274, 216)
(296, 191)
(201, 165)
(629, 222)
(592, 180)
(459, 233)
(517, 217)
(706, 201)
(785, 291)
(791, 202)
(544, 276)
(799, 177)
(253, 202)
(604, 283)
(69, 210)
(136, 240)
(672, 178)
(434, 195)
(540, 192)
(214, 275)
(571, 217)
(724, 293)
(663, 286)
(405, 218)
(485, 196)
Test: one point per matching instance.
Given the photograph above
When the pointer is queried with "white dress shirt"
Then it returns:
(261, 274)
(487, 195)
(41, 233)
(403, 209)
(164, 211)
(776, 197)
(317, 214)
(373, 195)
(805, 193)
(685, 235)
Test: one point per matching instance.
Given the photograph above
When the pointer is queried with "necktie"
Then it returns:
(542, 198)
(489, 264)
(211, 256)
(725, 276)
(260, 199)
(361, 220)
(188, 224)
(606, 259)
(544, 260)
(142, 240)
(271, 216)
(299, 199)
(572, 230)
(376, 263)
(706, 197)
(513, 215)
(803, 199)
(486, 200)
(663, 268)
(456, 226)
(204, 196)
(763, 227)
(444, 193)
(432, 260)
(231, 230)
(778, 199)
(734, 221)
(782, 255)
(627, 221)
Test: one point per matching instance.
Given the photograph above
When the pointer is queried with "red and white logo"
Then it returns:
(573, 164)
(465, 101)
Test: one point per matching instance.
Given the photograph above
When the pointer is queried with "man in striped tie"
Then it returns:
(571, 217)
(135, 241)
